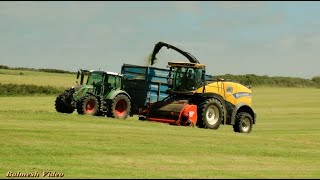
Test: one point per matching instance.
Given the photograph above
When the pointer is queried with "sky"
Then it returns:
(271, 38)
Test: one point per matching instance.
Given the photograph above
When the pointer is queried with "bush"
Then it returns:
(4, 67)
(39, 70)
(255, 80)
(56, 71)
(27, 89)
(316, 80)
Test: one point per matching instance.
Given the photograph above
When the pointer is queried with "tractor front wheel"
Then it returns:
(88, 105)
(63, 102)
(120, 107)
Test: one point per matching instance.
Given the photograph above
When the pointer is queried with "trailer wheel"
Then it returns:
(120, 107)
(88, 105)
(244, 122)
(210, 114)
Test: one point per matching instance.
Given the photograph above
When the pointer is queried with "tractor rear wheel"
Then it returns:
(88, 105)
(120, 107)
(244, 122)
(63, 102)
(211, 114)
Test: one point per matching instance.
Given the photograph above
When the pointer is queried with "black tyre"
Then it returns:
(120, 107)
(211, 114)
(244, 122)
(142, 118)
(59, 104)
(63, 102)
(88, 105)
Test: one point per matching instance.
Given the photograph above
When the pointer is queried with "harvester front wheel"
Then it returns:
(210, 114)
(88, 105)
(120, 107)
(63, 103)
(243, 123)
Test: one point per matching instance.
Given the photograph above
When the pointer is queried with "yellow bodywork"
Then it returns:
(233, 92)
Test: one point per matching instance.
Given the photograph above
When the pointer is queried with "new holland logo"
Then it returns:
(241, 94)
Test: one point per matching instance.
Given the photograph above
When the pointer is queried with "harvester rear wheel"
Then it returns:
(88, 105)
(63, 102)
(243, 123)
(210, 114)
(120, 107)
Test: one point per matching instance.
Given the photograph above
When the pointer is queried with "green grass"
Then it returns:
(283, 144)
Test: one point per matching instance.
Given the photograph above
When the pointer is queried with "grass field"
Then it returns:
(37, 78)
(285, 142)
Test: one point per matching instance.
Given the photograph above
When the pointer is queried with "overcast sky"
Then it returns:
(264, 38)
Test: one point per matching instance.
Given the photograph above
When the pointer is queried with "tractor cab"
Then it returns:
(97, 80)
(91, 77)
(186, 77)
(104, 82)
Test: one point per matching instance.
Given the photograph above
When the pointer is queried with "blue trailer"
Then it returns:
(144, 84)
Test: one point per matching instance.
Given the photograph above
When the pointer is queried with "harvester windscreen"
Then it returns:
(186, 79)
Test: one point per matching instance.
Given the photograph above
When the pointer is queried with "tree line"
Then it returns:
(38, 70)
(27, 89)
(248, 79)
(276, 81)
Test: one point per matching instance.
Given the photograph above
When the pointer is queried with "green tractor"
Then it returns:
(102, 95)
(106, 98)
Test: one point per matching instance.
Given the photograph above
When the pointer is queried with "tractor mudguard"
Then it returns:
(114, 93)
